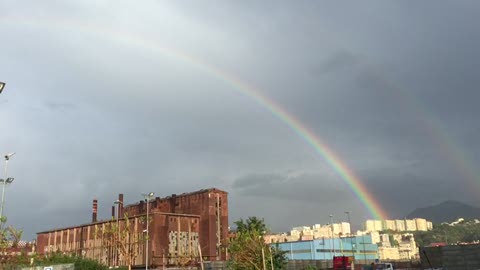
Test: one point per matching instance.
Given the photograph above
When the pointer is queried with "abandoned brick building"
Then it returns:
(180, 227)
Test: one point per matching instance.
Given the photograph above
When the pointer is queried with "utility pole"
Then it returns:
(333, 235)
(147, 197)
(118, 203)
(2, 85)
(364, 251)
(351, 239)
(271, 257)
(7, 180)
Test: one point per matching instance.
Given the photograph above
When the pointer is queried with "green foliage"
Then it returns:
(467, 231)
(248, 249)
(79, 262)
(252, 224)
(9, 236)
(310, 267)
(392, 241)
(279, 257)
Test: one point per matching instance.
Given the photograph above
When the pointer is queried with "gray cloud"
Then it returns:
(113, 97)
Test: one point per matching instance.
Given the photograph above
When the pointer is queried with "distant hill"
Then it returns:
(447, 211)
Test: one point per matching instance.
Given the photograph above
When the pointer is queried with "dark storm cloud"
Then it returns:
(299, 186)
(94, 107)
(60, 106)
(284, 198)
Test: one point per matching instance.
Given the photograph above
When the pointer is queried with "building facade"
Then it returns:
(181, 227)
(400, 225)
(390, 225)
(316, 231)
(172, 237)
(374, 225)
(421, 224)
(417, 224)
(361, 247)
(212, 207)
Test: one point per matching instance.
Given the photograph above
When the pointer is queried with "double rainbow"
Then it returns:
(320, 147)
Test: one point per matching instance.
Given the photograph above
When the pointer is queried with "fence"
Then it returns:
(328, 265)
(306, 265)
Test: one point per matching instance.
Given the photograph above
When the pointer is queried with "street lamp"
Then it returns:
(118, 203)
(7, 180)
(147, 197)
(333, 234)
(351, 239)
(2, 85)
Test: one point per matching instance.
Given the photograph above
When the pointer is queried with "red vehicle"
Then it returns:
(342, 263)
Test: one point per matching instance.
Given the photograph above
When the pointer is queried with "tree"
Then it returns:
(9, 237)
(248, 249)
(122, 240)
(250, 225)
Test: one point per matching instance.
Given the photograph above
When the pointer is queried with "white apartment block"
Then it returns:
(315, 232)
(421, 224)
(417, 224)
(410, 225)
(375, 237)
(341, 229)
(429, 225)
(400, 225)
(388, 253)
(390, 225)
(373, 225)
(403, 246)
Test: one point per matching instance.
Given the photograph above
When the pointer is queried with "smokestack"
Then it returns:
(120, 207)
(94, 210)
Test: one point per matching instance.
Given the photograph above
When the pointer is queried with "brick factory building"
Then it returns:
(180, 227)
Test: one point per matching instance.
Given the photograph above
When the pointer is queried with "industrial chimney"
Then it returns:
(94, 210)
(120, 206)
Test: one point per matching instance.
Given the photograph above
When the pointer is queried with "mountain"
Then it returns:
(447, 211)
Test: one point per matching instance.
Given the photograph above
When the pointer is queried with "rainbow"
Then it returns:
(242, 87)
(434, 128)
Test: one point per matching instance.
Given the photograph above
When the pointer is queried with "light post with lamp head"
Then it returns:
(148, 197)
(333, 235)
(7, 180)
(2, 85)
(118, 203)
(351, 238)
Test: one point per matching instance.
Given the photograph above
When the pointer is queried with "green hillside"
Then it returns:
(465, 231)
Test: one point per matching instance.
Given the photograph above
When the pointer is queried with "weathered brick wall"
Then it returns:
(202, 203)
(89, 241)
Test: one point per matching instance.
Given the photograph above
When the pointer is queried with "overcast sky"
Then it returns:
(108, 97)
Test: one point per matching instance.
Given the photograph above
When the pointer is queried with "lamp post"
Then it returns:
(148, 197)
(363, 237)
(5, 181)
(333, 234)
(2, 85)
(118, 203)
(351, 240)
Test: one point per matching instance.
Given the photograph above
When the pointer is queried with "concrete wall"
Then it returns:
(455, 257)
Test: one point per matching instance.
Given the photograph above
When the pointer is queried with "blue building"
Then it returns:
(361, 247)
